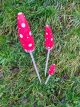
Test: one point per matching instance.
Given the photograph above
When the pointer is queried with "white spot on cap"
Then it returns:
(48, 47)
(19, 13)
(30, 45)
(27, 37)
(51, 39)
(46, 39)
(47, 25)
(21, 36)
(23, 25)
(46, 33)
(30, 33)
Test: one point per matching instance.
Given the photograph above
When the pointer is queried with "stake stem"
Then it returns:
(47, 79)
(35, 66)
(47, 59)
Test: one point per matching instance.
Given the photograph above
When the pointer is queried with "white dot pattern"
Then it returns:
(19, 13)
(51, 39)
(48, 47)
(27, 37)
(30, 33)
(30, 45)
(19, 28)
(23, 25)
(46, 33)
(47, 25)
(21, 36)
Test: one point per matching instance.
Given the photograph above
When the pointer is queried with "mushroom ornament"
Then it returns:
(26, 38)
(51, 72)
(49, 43)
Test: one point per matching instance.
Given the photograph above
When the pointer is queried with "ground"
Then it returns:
(19, 85)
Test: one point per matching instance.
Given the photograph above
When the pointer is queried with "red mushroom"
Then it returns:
(26, 38)
(49, 43)
(49, 40)
(52, 69)
(51, 72)
(24, 32)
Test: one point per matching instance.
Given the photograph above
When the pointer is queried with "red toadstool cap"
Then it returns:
(49, 40)
(52, 69)
(24, 33)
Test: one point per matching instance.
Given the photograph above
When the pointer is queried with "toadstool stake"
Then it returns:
(49, 43)
(50, 72)
(26, 38)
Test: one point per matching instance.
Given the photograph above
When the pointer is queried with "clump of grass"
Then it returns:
(18, 83)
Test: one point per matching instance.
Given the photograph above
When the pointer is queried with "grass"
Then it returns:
(19, 86)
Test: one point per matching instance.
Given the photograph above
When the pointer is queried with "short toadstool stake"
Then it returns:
(51, 72)
(26, 38)
(49, 43)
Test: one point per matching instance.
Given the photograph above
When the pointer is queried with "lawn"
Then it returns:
(19, 85)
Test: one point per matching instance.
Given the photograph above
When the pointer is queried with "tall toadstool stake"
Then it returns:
(51, 72)
(49, 43)
(26, 38)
